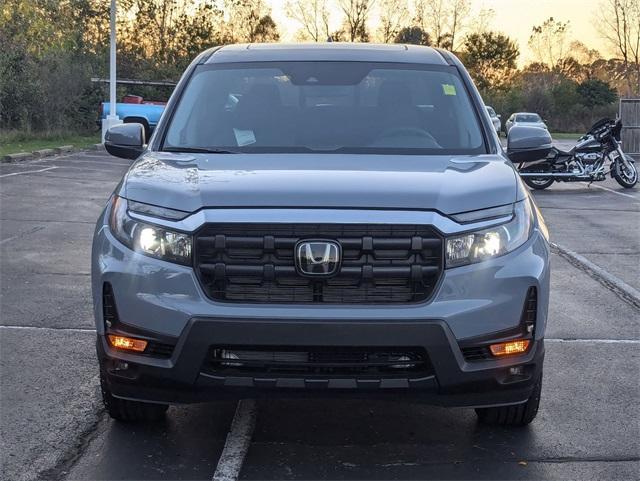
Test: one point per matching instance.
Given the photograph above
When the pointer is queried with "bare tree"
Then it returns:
(313, 17)
(160, 16)
(443, 19)
(164, 30)
(482, 20)
(619, 24)
(461, 10)
(430, 15)
(356, 15)
(584, 54)
(250, 21)
(586, 61)
(549, 42)
(393, 16)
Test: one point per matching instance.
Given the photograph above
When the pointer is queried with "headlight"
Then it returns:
(493, 242)
(148, 239)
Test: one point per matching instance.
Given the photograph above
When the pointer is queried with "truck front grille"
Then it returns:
(380, 263)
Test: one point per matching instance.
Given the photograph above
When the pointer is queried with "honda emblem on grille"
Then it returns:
(317, 257)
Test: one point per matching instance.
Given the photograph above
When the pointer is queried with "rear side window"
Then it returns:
(354, 107)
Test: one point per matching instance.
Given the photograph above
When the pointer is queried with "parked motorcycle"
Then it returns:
(596, 154)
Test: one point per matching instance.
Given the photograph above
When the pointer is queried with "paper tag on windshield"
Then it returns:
(449, 89)
(244, 137)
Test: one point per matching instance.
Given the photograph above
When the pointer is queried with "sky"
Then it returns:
(512, 17)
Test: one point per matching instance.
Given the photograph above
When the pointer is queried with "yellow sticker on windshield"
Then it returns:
(449, 89)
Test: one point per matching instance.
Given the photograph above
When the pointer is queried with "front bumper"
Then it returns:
(165, 301)
(453, 381)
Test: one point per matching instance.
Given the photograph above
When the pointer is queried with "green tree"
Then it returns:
(45, 63)
(491, 58)
(413, 35)
(595, 92)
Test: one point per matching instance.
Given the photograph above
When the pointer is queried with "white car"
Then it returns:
(528, 119)
(495, 119)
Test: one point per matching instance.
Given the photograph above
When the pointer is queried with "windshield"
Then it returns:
(354, 107)
(528, 118)
(492, 113)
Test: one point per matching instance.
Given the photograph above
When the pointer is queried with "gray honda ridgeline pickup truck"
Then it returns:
(322, 220)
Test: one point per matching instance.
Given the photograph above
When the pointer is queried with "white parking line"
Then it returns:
(237, 443)
(29, 172)
(36, 160)
(106, 161)
(614, 191)
(595, 341)
(42, 328)
(33, 230)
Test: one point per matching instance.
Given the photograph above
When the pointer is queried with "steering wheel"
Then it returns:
(409, 132)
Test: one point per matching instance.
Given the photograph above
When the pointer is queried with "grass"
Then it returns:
(14, 142)
(565, 136)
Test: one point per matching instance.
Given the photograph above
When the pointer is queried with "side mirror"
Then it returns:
(526, 144)
(125, 140)
(499, 116)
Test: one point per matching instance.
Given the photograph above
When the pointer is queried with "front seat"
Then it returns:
(397, 107)
(260, 116)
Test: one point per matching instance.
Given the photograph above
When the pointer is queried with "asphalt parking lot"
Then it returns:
(53, 426)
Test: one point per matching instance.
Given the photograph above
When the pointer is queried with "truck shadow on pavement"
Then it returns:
(582, 432)
(185, 445)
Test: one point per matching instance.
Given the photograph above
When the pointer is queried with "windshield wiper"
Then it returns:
(198, 150)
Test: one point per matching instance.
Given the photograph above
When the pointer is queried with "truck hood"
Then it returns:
(448, 184)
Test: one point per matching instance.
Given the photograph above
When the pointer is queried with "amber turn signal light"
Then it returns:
(508, 348)
(127, 343)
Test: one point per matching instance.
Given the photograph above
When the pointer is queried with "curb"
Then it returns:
(42, 153)
(17, 157)
(618, 286)
(64, 148)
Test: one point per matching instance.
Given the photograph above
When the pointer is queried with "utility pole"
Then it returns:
(112, 118)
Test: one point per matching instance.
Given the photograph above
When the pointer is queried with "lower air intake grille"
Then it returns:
(159, 349)
(293, 360)
(109, 312)
(530, 311)
(476, 353)
(380, 263)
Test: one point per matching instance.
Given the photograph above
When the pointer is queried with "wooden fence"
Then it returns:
(629, 112)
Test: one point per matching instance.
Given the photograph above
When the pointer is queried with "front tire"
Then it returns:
(518, 415)
(129, 411)
(625, 174)
(537, 183)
